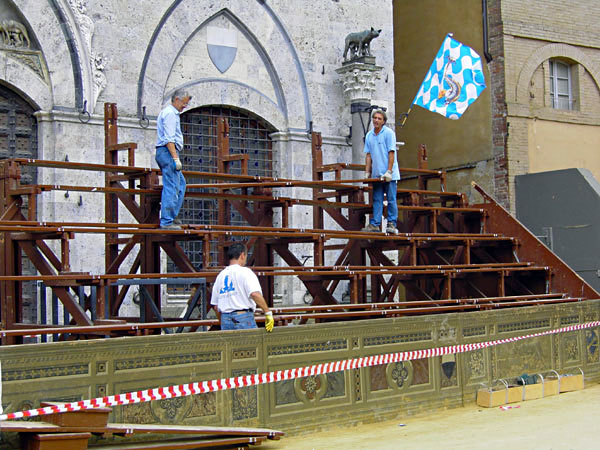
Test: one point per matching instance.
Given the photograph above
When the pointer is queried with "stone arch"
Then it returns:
(181, 21)
(64, 51)
(553, 51)
(22, 79)
(221, 92)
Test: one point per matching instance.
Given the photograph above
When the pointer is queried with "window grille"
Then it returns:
(248, 134)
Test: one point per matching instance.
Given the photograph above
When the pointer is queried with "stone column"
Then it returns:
(358, 79)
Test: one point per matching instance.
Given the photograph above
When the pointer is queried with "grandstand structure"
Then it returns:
(449, 255)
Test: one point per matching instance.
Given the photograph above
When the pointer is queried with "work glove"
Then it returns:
(387, 176)
(177, 164)
(269, 321)
(367, 174)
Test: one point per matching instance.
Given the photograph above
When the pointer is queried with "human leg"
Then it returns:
(377, 204)
(392, 205)
(180, 192)
(170, 179)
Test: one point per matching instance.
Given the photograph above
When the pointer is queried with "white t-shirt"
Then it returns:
(232, 289)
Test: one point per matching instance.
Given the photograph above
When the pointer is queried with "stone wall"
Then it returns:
(72, 371)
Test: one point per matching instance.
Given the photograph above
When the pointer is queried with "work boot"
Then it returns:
(391, 228)
(170, 227)
(371, 228)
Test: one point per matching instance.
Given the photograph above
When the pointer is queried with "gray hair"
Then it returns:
(180, 93)
(382, 112)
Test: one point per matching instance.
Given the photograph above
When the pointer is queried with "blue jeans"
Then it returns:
(173, 190)
(389, 189)
(238, 320)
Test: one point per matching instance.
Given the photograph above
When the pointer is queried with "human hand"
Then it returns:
(177, 164)
(387, 176)
(269, 321)
(367, 174)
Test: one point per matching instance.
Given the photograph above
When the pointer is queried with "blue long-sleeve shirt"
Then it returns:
(168, 128)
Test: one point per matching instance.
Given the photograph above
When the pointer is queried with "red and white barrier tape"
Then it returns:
(202, 387)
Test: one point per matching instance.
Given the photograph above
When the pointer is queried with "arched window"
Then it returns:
(248, 134)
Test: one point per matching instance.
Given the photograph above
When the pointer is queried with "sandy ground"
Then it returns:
(565, 421)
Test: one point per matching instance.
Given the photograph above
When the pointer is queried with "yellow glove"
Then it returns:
(269, 321)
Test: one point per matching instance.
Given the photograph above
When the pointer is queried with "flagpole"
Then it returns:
(405, 116)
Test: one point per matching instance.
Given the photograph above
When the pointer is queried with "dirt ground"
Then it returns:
(565, 421)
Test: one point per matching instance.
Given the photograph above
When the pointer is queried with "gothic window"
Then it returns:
(248, 134)
(561, 85)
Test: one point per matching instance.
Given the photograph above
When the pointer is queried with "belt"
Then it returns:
(238, 311)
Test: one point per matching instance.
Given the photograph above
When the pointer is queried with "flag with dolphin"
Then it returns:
(454, 80)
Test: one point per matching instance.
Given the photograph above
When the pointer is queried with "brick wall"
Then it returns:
(523, 35)
(498, 92)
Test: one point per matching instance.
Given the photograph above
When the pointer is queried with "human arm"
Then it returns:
(368, 164)
(262, 303)
(174, 155)
(391, 145)
(391, 157)
(170, 129)
(387, 176)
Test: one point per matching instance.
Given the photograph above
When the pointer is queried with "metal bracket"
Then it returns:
(144, 121)
(84, 115)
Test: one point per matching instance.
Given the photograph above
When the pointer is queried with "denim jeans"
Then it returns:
(389, 189)
(173, 190)
(238, 320)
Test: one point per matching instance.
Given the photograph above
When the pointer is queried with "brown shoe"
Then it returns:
(171, 227)
(371, 228)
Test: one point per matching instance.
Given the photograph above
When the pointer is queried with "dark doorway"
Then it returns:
(18, 139)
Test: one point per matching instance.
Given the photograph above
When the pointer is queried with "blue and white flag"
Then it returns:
(454, 81)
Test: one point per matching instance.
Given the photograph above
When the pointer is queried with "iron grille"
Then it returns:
(248, 134)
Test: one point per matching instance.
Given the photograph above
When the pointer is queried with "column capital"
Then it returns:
(358, 80)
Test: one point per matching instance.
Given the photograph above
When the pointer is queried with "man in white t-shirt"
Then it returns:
(236, 293)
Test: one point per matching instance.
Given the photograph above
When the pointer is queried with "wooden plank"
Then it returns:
(189, 429)
(177, 444)
(125, 429)
(57, 441)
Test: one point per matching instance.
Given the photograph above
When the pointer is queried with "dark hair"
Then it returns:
(235, 251)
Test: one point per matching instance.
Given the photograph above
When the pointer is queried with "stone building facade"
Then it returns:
(267, 62)
(541, 110)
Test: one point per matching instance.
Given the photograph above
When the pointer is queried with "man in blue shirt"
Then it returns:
(169, 142)
(381, 162)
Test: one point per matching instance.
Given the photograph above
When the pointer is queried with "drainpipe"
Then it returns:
(486, 48)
